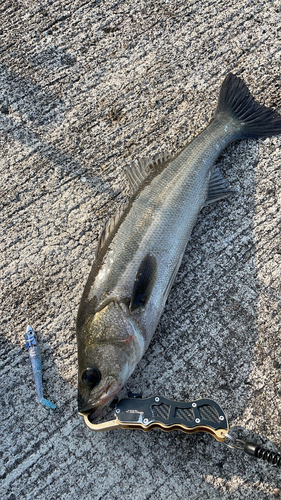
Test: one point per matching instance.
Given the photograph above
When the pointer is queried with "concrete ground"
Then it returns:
(86, 87)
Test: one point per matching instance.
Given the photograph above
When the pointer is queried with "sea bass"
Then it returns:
(141, 248)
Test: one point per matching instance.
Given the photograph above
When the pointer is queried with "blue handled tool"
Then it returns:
(35, 361)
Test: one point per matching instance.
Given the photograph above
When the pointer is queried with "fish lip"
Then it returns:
(106, 395)
(86, 408)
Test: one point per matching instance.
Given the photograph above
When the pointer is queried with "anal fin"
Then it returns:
(219, 187)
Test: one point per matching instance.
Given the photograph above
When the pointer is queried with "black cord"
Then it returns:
(255, 450)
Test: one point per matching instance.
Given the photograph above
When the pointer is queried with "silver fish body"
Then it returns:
(136, 266)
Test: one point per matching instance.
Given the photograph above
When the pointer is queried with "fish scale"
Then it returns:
(165, 210)
(138, 260)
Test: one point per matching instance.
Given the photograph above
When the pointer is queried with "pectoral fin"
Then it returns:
(144, 282)
(218, 188)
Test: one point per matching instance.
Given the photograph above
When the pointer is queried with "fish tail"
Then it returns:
(47, 403)
(254, 119)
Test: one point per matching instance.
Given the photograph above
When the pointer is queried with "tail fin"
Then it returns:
(255, 120)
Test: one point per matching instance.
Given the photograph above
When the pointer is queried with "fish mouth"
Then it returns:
(102, 398)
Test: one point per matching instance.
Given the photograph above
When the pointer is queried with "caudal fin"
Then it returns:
(254, 119)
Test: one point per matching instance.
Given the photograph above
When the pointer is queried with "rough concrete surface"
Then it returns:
(86, 87)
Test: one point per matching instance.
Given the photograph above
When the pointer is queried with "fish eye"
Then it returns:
(91, 377)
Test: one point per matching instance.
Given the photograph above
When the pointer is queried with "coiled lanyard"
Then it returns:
(254, 450)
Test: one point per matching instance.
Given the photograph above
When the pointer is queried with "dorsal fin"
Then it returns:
(138, 171)
(108, 228)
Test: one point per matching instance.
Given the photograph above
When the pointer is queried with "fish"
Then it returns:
(141, 248)
(36, 365)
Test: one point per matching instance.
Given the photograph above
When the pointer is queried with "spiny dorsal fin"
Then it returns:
(138, 171)
(108, 228)
(218, 188)
(144, 282)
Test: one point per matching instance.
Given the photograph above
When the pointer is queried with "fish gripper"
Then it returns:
(202, 415)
